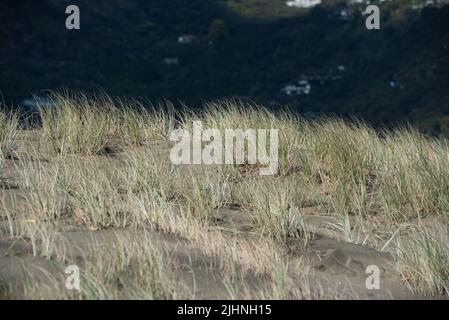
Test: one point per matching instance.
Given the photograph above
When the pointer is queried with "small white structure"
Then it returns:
(429, 3)
(187, 39)
(360, 2)
(171, 61)
(303, 87)
(303, 3)
(436, 2)
(346, 14)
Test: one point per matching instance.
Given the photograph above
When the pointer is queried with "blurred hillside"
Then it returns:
(199, 50)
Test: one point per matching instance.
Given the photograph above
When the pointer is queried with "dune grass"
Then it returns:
(9, 128)
(381, 186)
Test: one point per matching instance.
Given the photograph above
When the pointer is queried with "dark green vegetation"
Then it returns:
(246, 48)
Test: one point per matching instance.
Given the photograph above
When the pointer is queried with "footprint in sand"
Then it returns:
(338, 262)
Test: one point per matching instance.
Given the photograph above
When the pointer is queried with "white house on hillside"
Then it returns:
(187, 39)
(171, 61)
(303, 3)
(303, 87)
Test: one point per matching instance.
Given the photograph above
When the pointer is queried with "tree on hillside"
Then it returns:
(218, 30)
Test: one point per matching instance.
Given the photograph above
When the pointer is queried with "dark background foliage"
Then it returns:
(244, 48)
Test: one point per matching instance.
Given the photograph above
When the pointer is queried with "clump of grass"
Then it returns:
(96, 202)
(141, 123)
(145, 172)
(43, 204)
(131, 270)
(84, 125)
(6, 292)
(77, 125)
(273, 205)
(343, 158)
(43, 236)
(45, 188)
(249, 255)
(9, 128)
(414, 175)
(423, 259)
(201, 190)
(134, 127)
(396, 174)
(225, 114)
